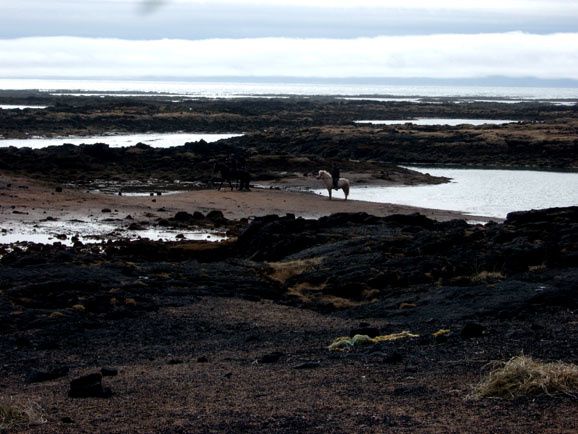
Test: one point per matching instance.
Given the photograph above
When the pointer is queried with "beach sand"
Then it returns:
(26, 200)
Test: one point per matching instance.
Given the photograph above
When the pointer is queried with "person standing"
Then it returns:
(335, 175)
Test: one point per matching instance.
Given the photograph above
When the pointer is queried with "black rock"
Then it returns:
(308, 365)
(183, 216)
(216, 216)
(58, 189)
(472, 330)
(271, 357)
(89, 386)
(202, 359)
(106, 210)
(109, 372)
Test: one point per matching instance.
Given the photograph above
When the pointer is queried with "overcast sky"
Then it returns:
(303, 38)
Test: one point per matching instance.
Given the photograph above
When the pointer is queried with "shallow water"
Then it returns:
(21, 107)
(155, 140)
(437, 121)
(492, 193)
(95, 232)
(227, 89)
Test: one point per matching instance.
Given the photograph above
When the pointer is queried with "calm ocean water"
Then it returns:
(239, 89)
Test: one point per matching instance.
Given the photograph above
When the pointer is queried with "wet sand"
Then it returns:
(28, 201)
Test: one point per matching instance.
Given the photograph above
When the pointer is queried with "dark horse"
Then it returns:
(230, 175)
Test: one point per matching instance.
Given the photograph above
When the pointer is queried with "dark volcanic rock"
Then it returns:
(472, 330)
(273, 357)
(109, 372)
(89, 386)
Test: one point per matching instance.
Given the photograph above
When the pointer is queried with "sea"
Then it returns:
(226, 89)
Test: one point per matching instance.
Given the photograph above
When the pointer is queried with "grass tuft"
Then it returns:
(19, 416)
(487, 277)
(283, 271)
(524, 376)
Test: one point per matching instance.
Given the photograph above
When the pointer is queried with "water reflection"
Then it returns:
(437, 121)
(492, 193)
(156, 140)
(67, 232)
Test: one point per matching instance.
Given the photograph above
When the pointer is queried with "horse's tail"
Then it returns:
(345, 187)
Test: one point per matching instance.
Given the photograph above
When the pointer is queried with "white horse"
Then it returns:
(327, 179)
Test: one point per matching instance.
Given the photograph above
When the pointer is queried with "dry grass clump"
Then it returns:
(19, 416)
(487, 276)
(283, 271)
(524, 376)
(345, 343)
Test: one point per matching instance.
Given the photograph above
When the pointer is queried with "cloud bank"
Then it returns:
(345, 19)
(514, 54)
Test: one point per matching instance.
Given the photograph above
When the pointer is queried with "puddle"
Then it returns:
(155, 140)
(152, 187)
(437, 121)
(21, 107)
(476, 222)
(68, 232)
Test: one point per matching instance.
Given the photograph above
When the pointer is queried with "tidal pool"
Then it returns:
(156, 140)
(21, 107)
(437, 121)
(482, 192)
(96, 232)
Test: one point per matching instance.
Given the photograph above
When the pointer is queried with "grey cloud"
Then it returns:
(515, 55)
(126, 20)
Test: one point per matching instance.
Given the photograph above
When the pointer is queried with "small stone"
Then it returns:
(106, 210)
(89, 386)
(66, 419)
(58, 189)
(202, 359)
(472, 330)
(109, 372)
(270, 358)
(308, 365)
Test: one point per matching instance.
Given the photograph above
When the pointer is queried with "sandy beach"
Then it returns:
(25, 200)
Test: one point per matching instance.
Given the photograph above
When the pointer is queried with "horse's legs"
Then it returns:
(329, 190)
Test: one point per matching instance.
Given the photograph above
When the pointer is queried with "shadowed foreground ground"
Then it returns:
(233, 337)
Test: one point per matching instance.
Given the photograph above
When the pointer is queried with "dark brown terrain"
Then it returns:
(234, 336)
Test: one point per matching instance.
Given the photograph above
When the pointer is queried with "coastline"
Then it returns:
(28, 201)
